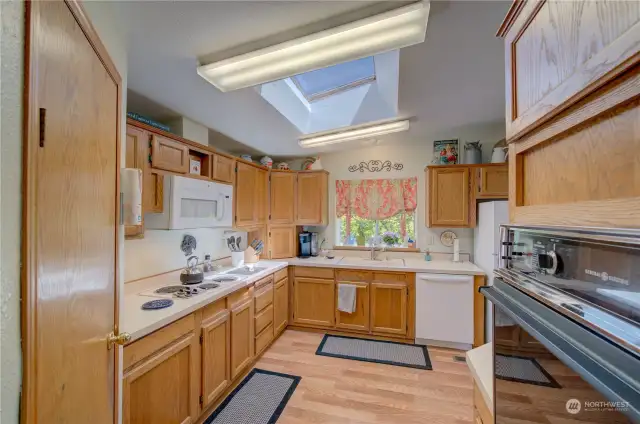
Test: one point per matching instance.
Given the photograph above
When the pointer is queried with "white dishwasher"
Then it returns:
(444, 310)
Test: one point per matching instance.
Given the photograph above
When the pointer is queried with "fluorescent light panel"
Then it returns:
(354, 134)
(391, 30)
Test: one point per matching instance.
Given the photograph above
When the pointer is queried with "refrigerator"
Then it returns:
(486, 247)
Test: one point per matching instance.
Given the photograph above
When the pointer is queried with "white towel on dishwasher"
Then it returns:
(347, 298)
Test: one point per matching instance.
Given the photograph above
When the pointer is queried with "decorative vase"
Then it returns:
(473, 152)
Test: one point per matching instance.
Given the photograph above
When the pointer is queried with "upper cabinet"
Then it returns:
(223, 168)
(251, 195)
(449, 197)
(169, 155)
(572, 87)
(557, 52)
(282, 197)
(136, 154)
(492, 181)
(311, 198)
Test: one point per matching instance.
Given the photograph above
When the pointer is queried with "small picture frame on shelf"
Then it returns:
(445, 152)
(195, 165)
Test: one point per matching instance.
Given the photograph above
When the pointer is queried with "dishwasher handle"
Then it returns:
(445, 278)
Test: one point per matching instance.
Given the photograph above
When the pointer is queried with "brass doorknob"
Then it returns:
(121, 339)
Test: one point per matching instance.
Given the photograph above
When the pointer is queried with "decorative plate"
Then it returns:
(157, 304)
(447, 238)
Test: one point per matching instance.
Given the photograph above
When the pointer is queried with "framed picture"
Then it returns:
(445, 152)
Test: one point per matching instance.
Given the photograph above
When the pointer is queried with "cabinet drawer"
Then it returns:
(213, 309)
(264, 297)
(263, 339)
(264, 318)
(326, 273)
(279, 275)
(353, 275)
(239, 297)
(389, 276)
(263, 282)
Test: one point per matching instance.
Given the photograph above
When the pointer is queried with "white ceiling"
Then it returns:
(454, 79)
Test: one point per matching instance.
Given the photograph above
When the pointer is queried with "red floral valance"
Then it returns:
(376, 199)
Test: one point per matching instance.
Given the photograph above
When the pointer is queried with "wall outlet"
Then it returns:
(431, 239)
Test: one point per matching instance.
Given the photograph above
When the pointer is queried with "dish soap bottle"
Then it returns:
(427, 256)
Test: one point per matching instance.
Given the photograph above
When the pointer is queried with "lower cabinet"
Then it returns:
(389, 308)
(241, 335)
(216, 356)
(314, 302)
(359, 319)
(164, 388)
(280, 305)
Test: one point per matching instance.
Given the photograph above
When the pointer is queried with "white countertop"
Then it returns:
(138, 322)
(480, 361)
(437, 266)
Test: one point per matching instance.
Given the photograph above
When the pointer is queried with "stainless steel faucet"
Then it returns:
(373, 250)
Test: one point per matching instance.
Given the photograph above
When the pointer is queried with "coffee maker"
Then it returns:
(308, 244)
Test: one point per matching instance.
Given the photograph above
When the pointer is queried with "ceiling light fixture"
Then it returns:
(387, 31)
(354, 133)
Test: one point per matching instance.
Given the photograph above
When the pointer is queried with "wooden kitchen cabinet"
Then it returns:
(223, 168)
(280, 305)
(282, 189)
(250, 195)
(242, 339)
(449, 197)
(261, 196)
(169, 155)
(216, 356)
(359, 319)
(311, 198)
(282, 242)
(314, 302)
(389, 308)
(165, 387)
(492, 181)
(137, 148)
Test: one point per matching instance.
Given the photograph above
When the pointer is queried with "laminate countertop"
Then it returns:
(437, 266)
(480, 362)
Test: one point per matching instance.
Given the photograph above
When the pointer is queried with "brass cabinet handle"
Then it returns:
(121, 339)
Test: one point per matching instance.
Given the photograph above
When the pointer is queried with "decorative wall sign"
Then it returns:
(376, 166)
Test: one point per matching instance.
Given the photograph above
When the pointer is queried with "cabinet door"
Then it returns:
(165, 387)
(281, 306)
(311, 203)
(245, 195)
(282, 201)
(507, 336)
(530, 343)
(313, 302)
(262, 196)
(169, 155)
(135, 156)
(359, 319)
(216, 355)
(152, 192)
(282, 242)
(448, 197)
(223, 169)
(389, 308)
(492, 182)
(241, 336)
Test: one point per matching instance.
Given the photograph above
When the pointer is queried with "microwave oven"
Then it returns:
(192, 203)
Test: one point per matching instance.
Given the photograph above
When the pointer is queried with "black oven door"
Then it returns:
(550, 369)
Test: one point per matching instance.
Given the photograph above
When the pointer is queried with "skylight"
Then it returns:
(323, 82)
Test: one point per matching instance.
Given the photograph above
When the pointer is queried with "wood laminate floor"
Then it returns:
(345, 391)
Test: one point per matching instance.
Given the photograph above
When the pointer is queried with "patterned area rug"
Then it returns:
(259, 399)
(380, 352)
(523, 370)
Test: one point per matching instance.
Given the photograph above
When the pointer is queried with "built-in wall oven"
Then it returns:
(566, 326)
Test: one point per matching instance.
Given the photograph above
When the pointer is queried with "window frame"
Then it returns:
(376, 234)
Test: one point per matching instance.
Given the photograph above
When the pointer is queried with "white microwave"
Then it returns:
(192, 203)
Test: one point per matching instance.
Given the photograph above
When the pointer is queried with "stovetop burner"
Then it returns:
(169, 289)
(208, 286)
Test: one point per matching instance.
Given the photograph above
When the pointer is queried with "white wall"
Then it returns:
(11, 77)
(190, 130)
(414, 156)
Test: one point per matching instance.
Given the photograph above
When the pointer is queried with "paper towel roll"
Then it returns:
(131, 187)
(456, 250)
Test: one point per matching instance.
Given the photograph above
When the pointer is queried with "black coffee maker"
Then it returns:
(307, 244)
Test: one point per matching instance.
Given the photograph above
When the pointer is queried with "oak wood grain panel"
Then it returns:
(263, 339)
(70, 215)
(486, 416)
(449, 197)
(391, 276)
(153, 192)
(281, 305)
(313, 301)
(282, 241)
(223, 168)
(311, 198)
(165, 387)
(263, 318)
(478, 311)
(559, 52)
(282, 197)
(239, 296)
(140, 349)
(492, 182)
(263, 297)
(262, 197)
(169, 155)
(214, 309)
(301, 271)
(245, 189)
(280, 274)
(242, 336)
(388, 308)
(359, 318)
(263, 282)
(594, 161)
(216, 356)
(136, 153)
(353, 275)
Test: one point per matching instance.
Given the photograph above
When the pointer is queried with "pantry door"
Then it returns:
(71, 215)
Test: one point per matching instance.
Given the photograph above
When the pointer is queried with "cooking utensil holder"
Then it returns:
(250, 256)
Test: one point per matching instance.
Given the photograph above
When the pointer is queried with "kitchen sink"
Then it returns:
(375, 262)
(246, 270)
